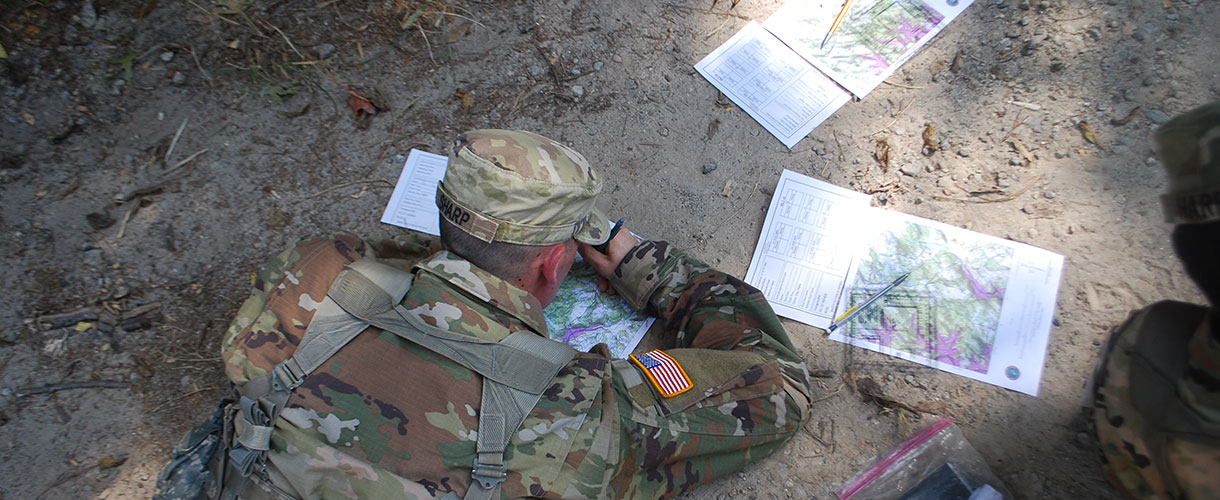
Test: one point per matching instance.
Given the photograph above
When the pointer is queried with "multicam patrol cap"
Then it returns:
(1189, 148)
(519, 187)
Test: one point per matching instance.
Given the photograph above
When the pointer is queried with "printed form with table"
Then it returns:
(970, 304)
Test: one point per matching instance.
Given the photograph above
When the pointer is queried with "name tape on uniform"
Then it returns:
(665, 373)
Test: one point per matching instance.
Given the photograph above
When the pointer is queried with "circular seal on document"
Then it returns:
(1012, 373)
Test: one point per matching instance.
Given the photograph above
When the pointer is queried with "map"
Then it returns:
(948, 311)
(582, 316)
(874, 39)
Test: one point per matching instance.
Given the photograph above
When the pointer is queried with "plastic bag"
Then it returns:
(935, 463)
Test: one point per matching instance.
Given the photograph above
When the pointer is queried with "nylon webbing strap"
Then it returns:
(515, 371)
(508, 363)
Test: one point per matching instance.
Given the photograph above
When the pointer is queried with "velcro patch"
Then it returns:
(664, 372)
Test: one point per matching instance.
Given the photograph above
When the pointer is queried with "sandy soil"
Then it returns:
(150, 253)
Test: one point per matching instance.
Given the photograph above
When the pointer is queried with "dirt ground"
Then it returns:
(129, 245)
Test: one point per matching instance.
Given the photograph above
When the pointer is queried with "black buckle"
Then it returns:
(488, 476)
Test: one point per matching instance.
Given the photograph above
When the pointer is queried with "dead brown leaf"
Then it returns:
(882, 153)
(465, 100)
(1089, 135)
(930, 144)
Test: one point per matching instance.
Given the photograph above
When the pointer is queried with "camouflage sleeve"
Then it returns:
(750, 388)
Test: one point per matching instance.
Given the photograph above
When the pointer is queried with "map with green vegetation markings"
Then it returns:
(582, 316)
(948, 310)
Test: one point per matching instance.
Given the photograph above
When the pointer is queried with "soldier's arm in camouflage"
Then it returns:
(751, 388)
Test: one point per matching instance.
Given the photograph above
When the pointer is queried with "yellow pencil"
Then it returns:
(838, 20)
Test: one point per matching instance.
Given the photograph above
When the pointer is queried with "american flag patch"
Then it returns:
(665, 373)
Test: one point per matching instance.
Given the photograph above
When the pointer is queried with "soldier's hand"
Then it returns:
(606, 263)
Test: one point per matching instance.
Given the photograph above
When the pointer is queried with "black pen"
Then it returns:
(613, 231)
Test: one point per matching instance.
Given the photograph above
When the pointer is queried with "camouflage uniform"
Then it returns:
(1156, 399)
(387, 418)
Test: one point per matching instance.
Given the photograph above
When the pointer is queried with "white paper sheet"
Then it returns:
(413, 204)
(974, 305)
(579, 316)
(804, 255)
(875, 39)
(771, 83)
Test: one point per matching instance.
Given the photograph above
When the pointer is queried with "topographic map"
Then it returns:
(948, 311)
(582, 317)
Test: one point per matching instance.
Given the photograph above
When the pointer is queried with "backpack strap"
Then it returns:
(515, 370)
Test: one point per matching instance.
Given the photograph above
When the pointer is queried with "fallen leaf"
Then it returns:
(296, 113)
(882, 153)
(1088, 133)
(108, 462)
(3, 54)
(930, 144)
(41, 193)
(83, 326)
(466, 101)
(360, 105)
(31, 30)
(728, 188)
(29, 119)
(235, 43)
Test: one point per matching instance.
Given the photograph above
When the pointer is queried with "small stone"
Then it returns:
(1096, 342)
(964, 152)
(87, 16)
(578, 90)
(617, 58)
(325, 51)
(708, 168)
(664, 131)
(909, 171)
(1157, 116)
(396, 159)
(597, 66)
(1056, 321)
(167, 56)
(1059, 155)
(1016, 160)
(179, 78)
(1050, 195)
(99, 220)
(1082, 438)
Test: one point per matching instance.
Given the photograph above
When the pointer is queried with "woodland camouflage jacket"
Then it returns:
(386, 418)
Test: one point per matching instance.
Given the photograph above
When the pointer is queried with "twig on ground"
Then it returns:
(286, 40)
(901, 86)
(349, 183)
(426, 43)
(184, 396)
(131, 209)
(840, 146)
(901, 109)
(188, 159)
(64, 479)
(831, 395)
(718, 28)
(1010, 197)
(174, 143)
(206, 73)
(210, 13)
(686, 9)
(88, 384)
(1020, 121)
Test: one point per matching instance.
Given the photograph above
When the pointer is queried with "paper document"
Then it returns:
(804, 254)
(974, 305)
(413, 204)
(875, 39)
(771, 83)
(580, 315)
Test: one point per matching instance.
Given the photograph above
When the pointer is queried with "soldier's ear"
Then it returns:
(552, 260)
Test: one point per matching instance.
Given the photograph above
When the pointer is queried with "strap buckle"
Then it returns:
(488, 475)
(284, 377)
